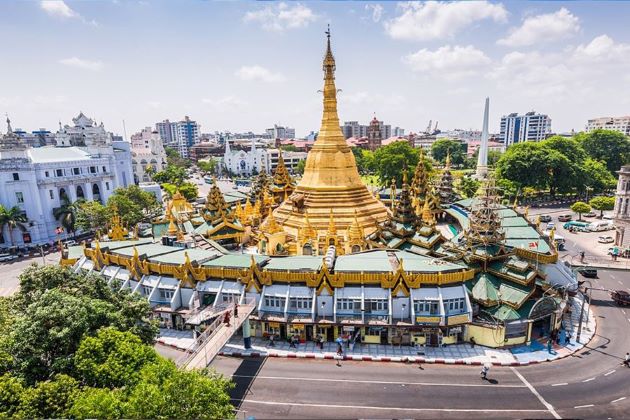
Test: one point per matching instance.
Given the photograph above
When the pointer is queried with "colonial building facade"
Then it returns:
(147, 151)
(86, 164)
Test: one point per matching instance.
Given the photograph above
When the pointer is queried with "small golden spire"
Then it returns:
(332, 229)
(427, 215)
(172, 227)
(355, 231)
(448, 159)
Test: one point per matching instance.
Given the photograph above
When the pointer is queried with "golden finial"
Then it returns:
(448, 159)
(172, 227)
(186, 258)
(332, 229)
(427, 215)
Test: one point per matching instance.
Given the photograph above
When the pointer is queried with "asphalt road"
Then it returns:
(590, 384)
(10, 271)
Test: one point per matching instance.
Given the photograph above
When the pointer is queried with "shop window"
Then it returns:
(515, 329)
(351, 305)
(300, 303)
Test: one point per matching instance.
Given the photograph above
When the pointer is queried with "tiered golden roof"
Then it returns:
(331, 179)
(117, 232)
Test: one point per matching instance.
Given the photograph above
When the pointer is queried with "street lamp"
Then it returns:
(323, 313)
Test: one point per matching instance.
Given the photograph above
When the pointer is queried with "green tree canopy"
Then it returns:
(13, 218)
(609, 146)
(299, 168)
(524, 164)
(188, 190)
(173, 158)
(208, 167)
(468, 186)
(134, 205)
(364, 159)
(92, 215)
(390, 160)
(580, 208)
(568, 146)
(602, 204)
(597, 176)
(440, 148)
(172, 175)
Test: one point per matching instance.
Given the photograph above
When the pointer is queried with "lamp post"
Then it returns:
(402, 316)
(323, 313)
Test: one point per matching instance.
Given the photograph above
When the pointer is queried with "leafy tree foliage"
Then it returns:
(597, 176)
(188, 190)
(608, 146)
(207, 167)
(468, 186)
(580, 208)
(134, 205)
(390, 161)
(13, 218)
(524, 164)
(173, 158)
(602, 204)
(364, 159)
(172, 175)
(440, 148)
(92, 215)
(299, 168)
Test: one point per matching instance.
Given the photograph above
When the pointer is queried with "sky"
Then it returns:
(243, 66)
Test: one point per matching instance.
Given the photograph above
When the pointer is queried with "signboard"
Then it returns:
(26, 237)
(457, 319)
(428, 319)
(454, 330)
(297, 326)
(274, 325)
(348, 328)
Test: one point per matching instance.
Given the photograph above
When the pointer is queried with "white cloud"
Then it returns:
(82, 63)
(59, 9)
(448, 62)
(602, 48)
(543, 28)
(258, 73)
(355, 97)
(436, 20)
(282, 16)
(154, 104)
(376, 10)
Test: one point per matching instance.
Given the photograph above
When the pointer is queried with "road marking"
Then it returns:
(619, 281)
(540, 398)
(358, 381)
(355, 407)
(563, 383)
(610, 373)
(618, 399)
(612, 276)
(624, 311)
(583, 406)
(588, 380)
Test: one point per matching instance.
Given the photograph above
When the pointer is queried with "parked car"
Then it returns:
(550, 226)
(588, 272)
(608, 216)
(7, 257)
(601, 225)
(605, 240)
(545, 218)
(565, 218)
(589, 214)
(70, 242)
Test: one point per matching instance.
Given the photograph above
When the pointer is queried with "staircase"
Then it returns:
(212, 340)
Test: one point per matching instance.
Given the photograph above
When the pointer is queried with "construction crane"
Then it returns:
(428, 130)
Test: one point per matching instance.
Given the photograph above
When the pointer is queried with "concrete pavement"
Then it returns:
(9, 282)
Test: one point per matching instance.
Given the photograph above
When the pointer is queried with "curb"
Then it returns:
(173, 346)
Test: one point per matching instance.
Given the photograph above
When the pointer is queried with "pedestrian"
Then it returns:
(627, 360)
(484, 371)
(472, 342)
(236, 310)
(549, 345)
(582, 256)
(292, 342)
(226, 319)
(271, 343)
(567, 338)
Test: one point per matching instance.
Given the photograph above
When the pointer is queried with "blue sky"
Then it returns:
(245, 66)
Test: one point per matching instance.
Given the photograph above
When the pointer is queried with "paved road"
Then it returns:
(9, 272)
(587, 385)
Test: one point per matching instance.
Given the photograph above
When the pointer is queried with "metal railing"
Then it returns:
(210, 342)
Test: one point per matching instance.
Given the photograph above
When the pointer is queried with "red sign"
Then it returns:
(26, 237)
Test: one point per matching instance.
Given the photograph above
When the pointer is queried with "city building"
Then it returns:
(241, 162)
(398, 132)
(519, 128)
(374, 135)
(85, 163)
(37, 138)
(620, 124)
(356, 130)
(181, 135)
(279, 132)
(147, 151)
(621, 212)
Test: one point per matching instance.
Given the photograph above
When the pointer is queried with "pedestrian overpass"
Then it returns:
(209, 343)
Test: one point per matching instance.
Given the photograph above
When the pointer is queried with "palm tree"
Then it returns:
(13, 218)
(67, 215)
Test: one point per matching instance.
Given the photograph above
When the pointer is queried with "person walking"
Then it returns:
(549, 345)
(627, 360)
(236, 310)
(271, 342)
(292, 342)
(484, 371)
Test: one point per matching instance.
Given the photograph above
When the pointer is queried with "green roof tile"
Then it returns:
(235, 261)
(299, 263)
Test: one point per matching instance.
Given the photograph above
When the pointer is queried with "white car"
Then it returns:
(70, 242)
(7, 257)
(605, 240)
(550, 226)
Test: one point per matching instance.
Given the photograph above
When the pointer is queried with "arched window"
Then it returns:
(63, 195)
(80, 193)
(307, 249)
(96, 193)
(356, 248)
(331, 241)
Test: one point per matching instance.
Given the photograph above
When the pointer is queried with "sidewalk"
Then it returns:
(600, 262)
(460, 354)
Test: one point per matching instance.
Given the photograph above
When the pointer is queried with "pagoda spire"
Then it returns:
(332, 229)
(482, 159)
(9, 129)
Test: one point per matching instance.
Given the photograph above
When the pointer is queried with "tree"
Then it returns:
(207, 167)
(188, 190)
(13, 218)
(580, 207)
(98, 403)
(602, 203)
(562, 174)
(569, 147)
(440, 148)
(299, 168)
(56, 308)
(112, 359)
(67, 215)
(597, 176)
(49, 399)
(390, 160)
(92, 215)
(525, 165)
(609, 146)
(134, 205)
(171, 174)
(468, 186)
(290, 148)
(11, 391)
(173, 158)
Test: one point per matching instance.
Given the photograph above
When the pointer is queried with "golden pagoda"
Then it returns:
(331, 179)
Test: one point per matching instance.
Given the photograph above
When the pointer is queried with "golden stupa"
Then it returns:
(331, 181)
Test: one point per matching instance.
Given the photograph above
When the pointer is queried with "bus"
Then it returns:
(207, 179)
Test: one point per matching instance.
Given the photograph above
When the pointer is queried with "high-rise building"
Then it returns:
(280, 132)
(398, 132)
(519, 128)
(374, 134)
(356, 130)
(182, 135)
(620, 124)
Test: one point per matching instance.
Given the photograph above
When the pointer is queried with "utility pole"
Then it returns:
(579, 333)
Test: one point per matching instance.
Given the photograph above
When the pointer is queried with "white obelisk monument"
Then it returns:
(482, 160)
